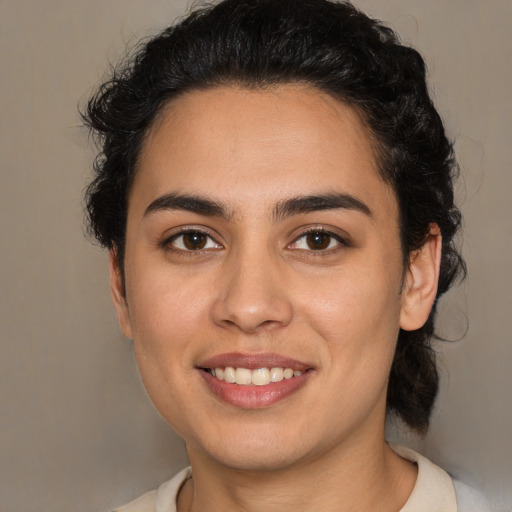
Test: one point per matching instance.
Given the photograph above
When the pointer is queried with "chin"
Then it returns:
(254, 450)
(257, 459)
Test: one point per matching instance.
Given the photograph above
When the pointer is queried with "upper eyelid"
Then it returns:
(330, 232)
(182, 231)
(189, 229)
(319, 230)
(338, 244)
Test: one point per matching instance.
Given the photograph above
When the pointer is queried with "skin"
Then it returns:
(257, 286)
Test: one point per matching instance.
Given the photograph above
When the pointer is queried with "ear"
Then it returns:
(119, 295)
(420, 283)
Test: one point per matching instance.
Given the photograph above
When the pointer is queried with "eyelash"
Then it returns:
(168, 242)
(340, 241)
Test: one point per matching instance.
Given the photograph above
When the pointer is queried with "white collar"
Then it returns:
(433, 491)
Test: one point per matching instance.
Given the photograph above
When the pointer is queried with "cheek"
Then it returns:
(351, 300)
(164, 331)
(164, 299)
(357, 312)
(167, 315)
(358, 321)
(165, 325)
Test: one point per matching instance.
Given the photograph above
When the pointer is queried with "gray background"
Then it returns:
(77, 431)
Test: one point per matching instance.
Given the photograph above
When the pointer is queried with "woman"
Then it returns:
(275, 189)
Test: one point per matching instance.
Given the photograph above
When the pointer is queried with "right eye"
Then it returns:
(192, 240)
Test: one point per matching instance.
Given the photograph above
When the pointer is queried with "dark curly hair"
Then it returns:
(335, 48)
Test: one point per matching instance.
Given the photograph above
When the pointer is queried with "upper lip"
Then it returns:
(253, 361)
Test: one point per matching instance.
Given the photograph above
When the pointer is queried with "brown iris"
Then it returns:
(194, 240)
(318, 240)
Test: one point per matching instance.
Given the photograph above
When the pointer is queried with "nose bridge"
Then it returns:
(252, 295)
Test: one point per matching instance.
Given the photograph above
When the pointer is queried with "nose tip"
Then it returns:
(252, 299)
(252, 321)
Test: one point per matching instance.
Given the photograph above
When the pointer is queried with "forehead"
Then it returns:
(255, 145)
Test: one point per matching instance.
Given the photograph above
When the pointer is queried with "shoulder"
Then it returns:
(163, 498)
(436, 490)
(469, 499)
(145, 503)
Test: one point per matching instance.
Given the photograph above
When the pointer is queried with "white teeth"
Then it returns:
(243, 376)
(261, 376)
(288, 373)
(229, 374)
(258, 377)
(276, 374)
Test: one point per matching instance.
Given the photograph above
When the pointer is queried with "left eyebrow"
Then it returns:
(314, 203)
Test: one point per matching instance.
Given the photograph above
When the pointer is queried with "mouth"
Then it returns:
(254, 381)
(257, 377)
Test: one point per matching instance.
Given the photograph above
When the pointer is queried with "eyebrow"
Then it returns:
(189, 203)
(314, 203)
(284, 209)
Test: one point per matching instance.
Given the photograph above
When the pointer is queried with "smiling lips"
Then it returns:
(254, 381)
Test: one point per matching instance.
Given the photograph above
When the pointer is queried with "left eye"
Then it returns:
(193, 241)
(317, 241)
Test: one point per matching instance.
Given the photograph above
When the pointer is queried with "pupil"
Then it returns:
(318, 240)
(194, 241)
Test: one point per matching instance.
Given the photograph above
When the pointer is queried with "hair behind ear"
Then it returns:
(414, 379)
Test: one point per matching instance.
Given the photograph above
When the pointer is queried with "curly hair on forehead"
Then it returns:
(335, 48)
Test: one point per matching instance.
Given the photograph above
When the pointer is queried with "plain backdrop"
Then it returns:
(77, 431)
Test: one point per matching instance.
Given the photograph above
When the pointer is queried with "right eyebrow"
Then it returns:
(189, 203)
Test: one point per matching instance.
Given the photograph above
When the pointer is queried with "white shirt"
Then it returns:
(434, 491)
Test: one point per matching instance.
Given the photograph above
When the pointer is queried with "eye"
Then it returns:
(192, 240)
(317, 240)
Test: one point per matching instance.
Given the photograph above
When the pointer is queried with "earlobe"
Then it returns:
(118, 295)
(420, 284)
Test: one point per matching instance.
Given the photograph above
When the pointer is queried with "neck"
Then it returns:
(356, 476)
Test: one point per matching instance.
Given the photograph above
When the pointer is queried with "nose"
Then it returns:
(252, 296)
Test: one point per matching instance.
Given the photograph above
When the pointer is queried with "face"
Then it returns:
(261, 240)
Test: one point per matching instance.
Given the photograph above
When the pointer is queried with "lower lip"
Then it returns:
(254, 397)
